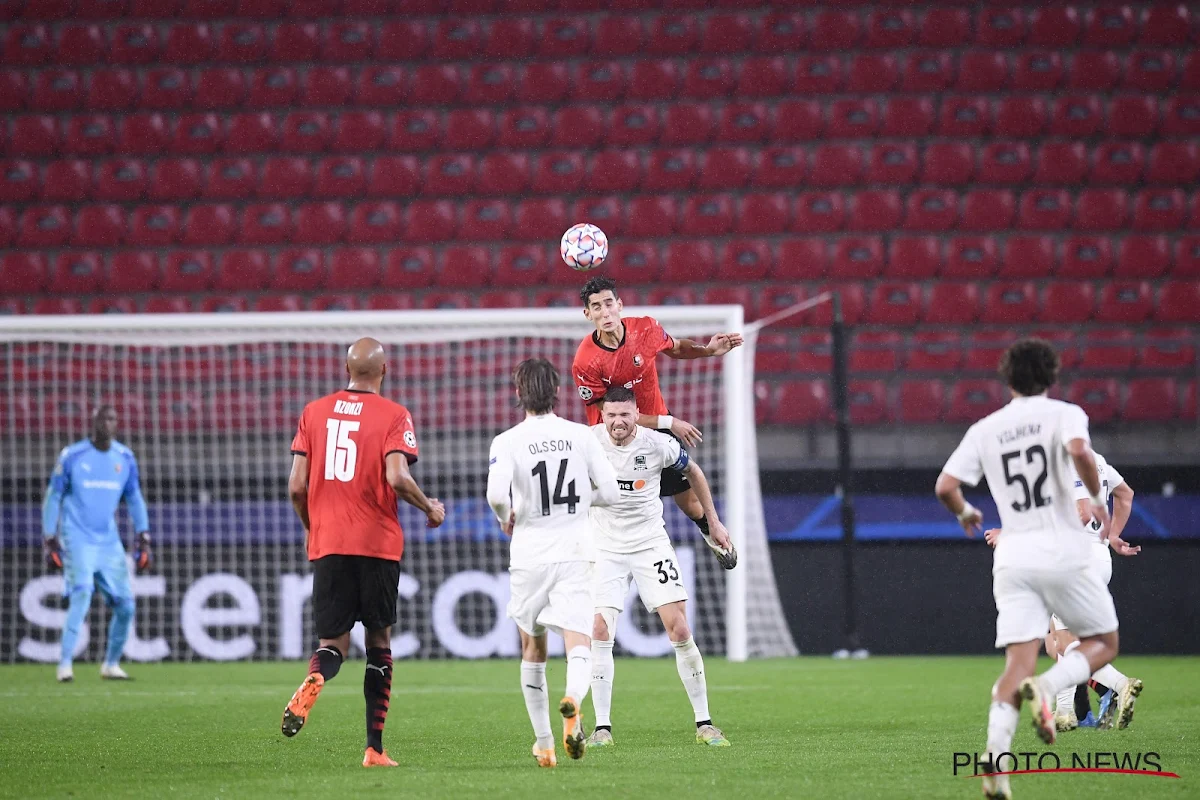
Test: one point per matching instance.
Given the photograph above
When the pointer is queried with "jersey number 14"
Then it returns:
(341, 454)
(570, 499)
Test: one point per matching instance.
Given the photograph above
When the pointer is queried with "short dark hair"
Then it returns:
(1030, 366)
(596, 286)
(619, 394)
(537, 385)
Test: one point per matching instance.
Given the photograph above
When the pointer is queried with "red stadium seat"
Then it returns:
(273, 87)
(670, 170)
(1125, 301)
(450, 174)
(852, 118)
(672, 35)
(798, 120)
(868, 402)
(77, 273)
(773, 353)
(463, 266)
(112, 90)
(265, 223)
(1107, 350)
(1181, 115)
(972, 257)
(209, 224)
(875, 351)
(231, 178)
(187, 271)
(1117, 164)
(489, 84)
(781, 167)
(803, 403)
(503, 299)
(279, 302)
(1159, 210)
(436, 220)
(988, 210)
(1174, 163)
(894, 304)
(600, 81)
(242, 271)
(952, 304)
(836, 165)
(380, 86)
(606, 212)
(983, 71)
(111, 305)
(1021, 116)
(781, 297)
(1167, 349)
(374, 222)
(984, 349)
(504, 173)
(857, 258)
(744, 122)
(1055, 27)
(1044, 210)
(1099, 397)
(339, 177)
(944, 27)
(764, 77)
(525, 126)
(688, 262)
(1061, 163)
(23, 272)
(89, 135)
(725, 168)
(1150, 71)
(152, 226)
(1009, 303)
(816, 212)
(931, 210)
(511, 37)
(1000, 27)
(854, 304)
(802, 259)
(915, 257)
(487, 219)
(892, 164)
(99, 226)
(948, 163)
(1027, 257)
(745, 260)
(632, 263)
(706, 215)
(72, 181)
(1067, 302)
(1143, 257)
(143, 134)
(921, 401)
(58, 90)
(879, 72)
(650, 215)
(57, 305)
(1132, 116)
(935, 351)
(1152, 400)
(133, 271)
(671, 296)
(1165, 25)
(39, 226)
(618, 35)
(546, 82)
(972, 400)
(1187, 257)
(224, 304)
(19, 180)
(286, 177)
(1109, 26)
(1077, 115)
(726, 33)
(1004, 163)
(763, 213)
(902, 116)
(708, 79)
(1037, 71)
(521, 265)
(819, 75)
(733, 295)
(335, 302)
(1086, 257)
(965, 116)
(409, 268)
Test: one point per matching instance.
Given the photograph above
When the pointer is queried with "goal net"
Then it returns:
(209, 404)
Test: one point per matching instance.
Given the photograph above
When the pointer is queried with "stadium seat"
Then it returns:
(670, 170)
(931, 210)
(875, 351)
(649, 215)
(984, 348)
(335, 302)
(393, 176)
(1151, 400)
(503, 299)
(971, 257)
(1167, 349)
(133, 271)
(521, 265)
(77, 273)
(219, 88)
(781, 167)
(894, 304)
(142, 134)
(634, 262)
(450, 174)
(915, 257)
(952, 303)
(1124, 301)
(803, 403)
(934, 351)
(1165, 25)
(111, 305)
(802, 259)
(706, 215)
(1027, 257)
(687, 262)
(286, 177)
(1159, 210)
(72, 181)
(436, 220)
(1036, 71)
(504, 173)
(988, 210)
(187, 271)
(265, 224)
(1077, 115)
(760, 213)
(921, 401)
(600, 81)
(1044, 210)
(408, 268)
(24, 272)
(1067, 302)
(773, 354)
(816, 212)
(1099, 397)
(672, 296)
(1009, 303)
(57, 305)
(111, 90)
(743, 123)
(613, 170)
(972, 400)
(853, 299)
(726, 168)
(875, 210)
(1174, 162)
(279, 302)
(151, 226)
(577, 126)
(1132, 115)
(1107, 350)
(403, 40)
(1085, 257)
(857, 258)
(868, 402)
(231, 179)
(1143, 257)
(508, 38)
(224, 303)
(965, 116)
(208, 224)
(948, 163)
(376, 86)
(463, 267)
(1061, 163)
(298, 270)
(87, 135)
(39, 226)
(487, 219)
(733, 295)
(242, 271)
(374, 222)
(273, 87)
(540, 82)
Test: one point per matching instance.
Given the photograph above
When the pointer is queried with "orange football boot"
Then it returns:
(573, 737)
(301, 703)
(373, 758)
(545, 758)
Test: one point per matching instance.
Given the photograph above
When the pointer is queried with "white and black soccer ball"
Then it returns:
(583, 247)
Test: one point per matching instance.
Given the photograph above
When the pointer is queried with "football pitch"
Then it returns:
(814, 727)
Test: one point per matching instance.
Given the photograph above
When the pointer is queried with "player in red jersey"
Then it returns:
(622, 352)
(350, 462)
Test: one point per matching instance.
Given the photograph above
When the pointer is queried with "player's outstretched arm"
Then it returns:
(718, 345)
(298, 491)
(406, 488)
(699, 483)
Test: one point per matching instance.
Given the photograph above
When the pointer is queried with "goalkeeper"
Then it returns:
(81, 537)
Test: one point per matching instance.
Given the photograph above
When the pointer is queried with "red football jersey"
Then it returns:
(630, 364)
(351, 507)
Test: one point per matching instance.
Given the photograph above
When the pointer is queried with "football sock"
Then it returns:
(702, 524)
(1002, 724)
(579, 673)
(118, 629)
(1066, 698)
(1109, 677)
(326, 661)
(377, 689)
(690, 665)
(1072, 669)
(77, 609)
(1101, 689)
(537, 704)
(603, 668)
(1083, 703)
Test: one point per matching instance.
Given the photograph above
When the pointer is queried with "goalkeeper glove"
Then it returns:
(53, 552)
(141, 553)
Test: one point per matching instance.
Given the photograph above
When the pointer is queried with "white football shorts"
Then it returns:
(1101, 565)
(1024, 598)
(655, 570)
(557, 597)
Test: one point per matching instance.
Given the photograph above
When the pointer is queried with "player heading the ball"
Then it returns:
(622, 352)
(632, 542)
(544, 475)
(350, 461)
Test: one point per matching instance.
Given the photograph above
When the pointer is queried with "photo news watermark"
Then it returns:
(975, 765)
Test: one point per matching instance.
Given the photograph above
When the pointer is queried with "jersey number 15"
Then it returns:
(341, 454)
(570, 499)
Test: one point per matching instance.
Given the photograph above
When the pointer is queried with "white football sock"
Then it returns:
(1002, 724)
(579, 673)
(1066, 698)
(1070, 671)
(1110, 676)
(603, 668)
(690, 665)
(537, 703)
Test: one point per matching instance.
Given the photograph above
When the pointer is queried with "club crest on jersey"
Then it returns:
(639, 462)
(637, 359)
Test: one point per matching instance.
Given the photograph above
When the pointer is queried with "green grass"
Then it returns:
(886, 727)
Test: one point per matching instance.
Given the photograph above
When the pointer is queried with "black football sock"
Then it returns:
(377, 689)
(702, 524)
(702, 723)
(1100, 688)
(326, 661)
(604, 728)
(1083, 704)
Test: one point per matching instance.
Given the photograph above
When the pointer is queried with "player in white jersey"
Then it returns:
(1116, 690)
(632, 542)
(544, 475)
(1026, 451)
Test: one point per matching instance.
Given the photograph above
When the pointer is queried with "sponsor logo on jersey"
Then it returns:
(631, 486)
(639, 462)
(114, 485)
(637, 359)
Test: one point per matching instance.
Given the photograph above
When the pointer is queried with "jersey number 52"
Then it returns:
(341, 454)
(570, 499)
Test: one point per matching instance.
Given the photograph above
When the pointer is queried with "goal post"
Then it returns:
(209, 402)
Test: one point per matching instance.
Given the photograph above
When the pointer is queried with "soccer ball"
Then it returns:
(584, 247)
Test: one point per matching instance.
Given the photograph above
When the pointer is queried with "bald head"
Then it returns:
(366, 361)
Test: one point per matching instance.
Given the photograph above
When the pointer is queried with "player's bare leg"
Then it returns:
(579, 674)
(689, 663)
(689, 504)
(377, 691)
(324, 664)
(537, 700)
(603, 668)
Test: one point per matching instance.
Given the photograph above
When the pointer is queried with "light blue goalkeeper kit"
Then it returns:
(80, 507)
